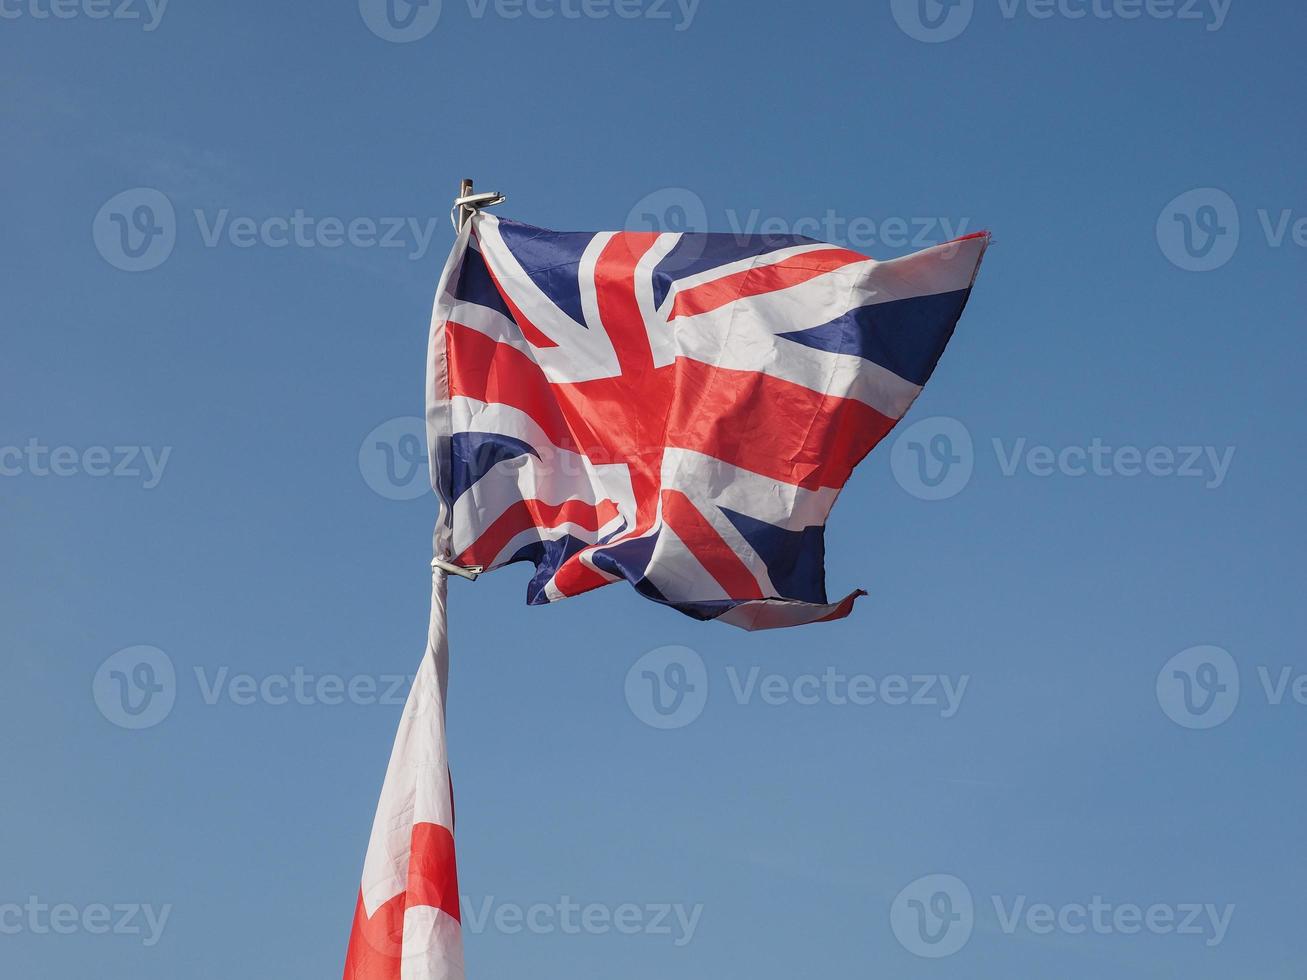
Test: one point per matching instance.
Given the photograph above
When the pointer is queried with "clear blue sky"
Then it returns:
(260, 547)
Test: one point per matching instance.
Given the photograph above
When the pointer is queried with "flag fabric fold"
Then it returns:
(679, 411)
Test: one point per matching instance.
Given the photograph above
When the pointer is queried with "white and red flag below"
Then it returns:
(677, 411)
(406, 926)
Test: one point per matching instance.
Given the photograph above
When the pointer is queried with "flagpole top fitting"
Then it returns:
(468, 203)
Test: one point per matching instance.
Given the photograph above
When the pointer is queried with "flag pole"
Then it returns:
(407, 917)
(465, 191)
(465, 205)
(468, 203)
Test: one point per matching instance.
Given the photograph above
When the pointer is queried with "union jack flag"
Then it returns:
(676, 410)
(679, 411)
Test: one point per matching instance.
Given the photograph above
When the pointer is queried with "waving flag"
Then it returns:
(676, 410)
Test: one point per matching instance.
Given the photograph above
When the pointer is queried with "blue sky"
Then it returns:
(1076, 676)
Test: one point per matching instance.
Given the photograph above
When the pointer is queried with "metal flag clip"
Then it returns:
(471, 574)
(468, 203)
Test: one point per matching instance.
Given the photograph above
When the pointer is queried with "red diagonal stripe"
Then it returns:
(575, 577)
(711, 550)
(615, 295)
(762, 279)
(488, 371)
